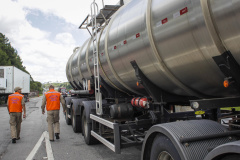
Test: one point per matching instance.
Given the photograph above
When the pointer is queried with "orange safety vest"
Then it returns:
(53, 100)
(15, 102)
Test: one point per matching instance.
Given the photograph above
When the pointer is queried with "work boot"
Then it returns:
(18, 138)
(57, 135)
(14, 140)
(52, 140)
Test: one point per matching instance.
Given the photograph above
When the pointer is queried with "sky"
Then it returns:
(45, 32)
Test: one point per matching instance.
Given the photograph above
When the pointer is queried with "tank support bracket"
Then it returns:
(230, 68)
(157, 93)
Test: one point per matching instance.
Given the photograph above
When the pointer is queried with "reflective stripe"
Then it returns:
(68, 106)
(51, 92)
(16, 95)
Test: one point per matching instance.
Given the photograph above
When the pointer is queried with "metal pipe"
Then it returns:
(85, 92)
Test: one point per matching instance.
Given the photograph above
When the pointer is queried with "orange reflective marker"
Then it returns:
(137, 83)
(226, 83)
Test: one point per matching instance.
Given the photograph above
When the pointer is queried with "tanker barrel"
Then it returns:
(177, 49)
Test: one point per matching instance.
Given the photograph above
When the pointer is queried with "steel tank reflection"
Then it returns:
(171, 43)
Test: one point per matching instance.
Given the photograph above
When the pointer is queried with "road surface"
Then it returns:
(71, 145)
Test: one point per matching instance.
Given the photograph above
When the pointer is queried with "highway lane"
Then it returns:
(71, 145)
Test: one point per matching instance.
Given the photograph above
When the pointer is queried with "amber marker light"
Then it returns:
(137, 83)
(226, 83)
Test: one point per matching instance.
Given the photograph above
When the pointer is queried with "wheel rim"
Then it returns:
(85, 126)
(165, 156)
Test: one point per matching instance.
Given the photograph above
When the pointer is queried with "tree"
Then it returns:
(4, 60)
(10, 57)
(36, 86)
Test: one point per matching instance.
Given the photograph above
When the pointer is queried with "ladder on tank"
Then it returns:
(95, 27)
(98, 20)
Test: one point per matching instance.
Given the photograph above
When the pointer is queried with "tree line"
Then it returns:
(10, 57)
(59, 85)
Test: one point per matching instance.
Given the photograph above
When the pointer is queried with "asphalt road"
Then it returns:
(71, 145)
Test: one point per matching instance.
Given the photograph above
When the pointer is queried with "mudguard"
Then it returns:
(77, 103)
(227, 148)
(185, 129)
(90, 108)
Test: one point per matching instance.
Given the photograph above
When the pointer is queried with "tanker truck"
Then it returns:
(145, 59)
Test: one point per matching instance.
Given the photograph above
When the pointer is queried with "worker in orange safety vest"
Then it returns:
(52, 101)
(15, 105)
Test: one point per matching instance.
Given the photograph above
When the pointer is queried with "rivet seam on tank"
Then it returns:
(79, 58)
(108, 59)
(212, 26)
(155, 50)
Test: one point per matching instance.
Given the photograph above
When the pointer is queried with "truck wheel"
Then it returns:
(163, 149)
(25, 98)
(76, 122)
(86, 130)
(6, 99)
(68, 120)
(229, 157)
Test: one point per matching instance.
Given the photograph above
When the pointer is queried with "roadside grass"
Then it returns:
(230, 108)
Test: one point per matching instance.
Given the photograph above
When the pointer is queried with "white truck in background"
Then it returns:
(11, 77)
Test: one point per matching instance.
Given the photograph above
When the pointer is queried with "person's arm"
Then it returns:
(43, 104)
(24, 111)
(8, 106)
(63, 103)
(24, 108)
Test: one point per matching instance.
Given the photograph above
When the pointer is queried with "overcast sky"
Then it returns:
(45, 32)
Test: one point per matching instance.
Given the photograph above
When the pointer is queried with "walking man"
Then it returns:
(15, 105)
(52, 101)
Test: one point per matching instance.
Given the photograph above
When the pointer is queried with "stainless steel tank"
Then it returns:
(172, 43)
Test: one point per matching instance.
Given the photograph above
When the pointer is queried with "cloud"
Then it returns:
(44, 57)
(10, 15)
(73, 11)
(65, 38)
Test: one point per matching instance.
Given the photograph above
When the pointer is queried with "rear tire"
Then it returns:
(76, 122)
(86, 130)
(228, 157)
(25, 98)
(68, 120)
(163, 149)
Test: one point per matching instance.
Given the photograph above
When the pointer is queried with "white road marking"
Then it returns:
(35, 149)
(37, 146)
(48, 146)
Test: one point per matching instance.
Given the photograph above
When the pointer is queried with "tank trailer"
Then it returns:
(144, 61)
